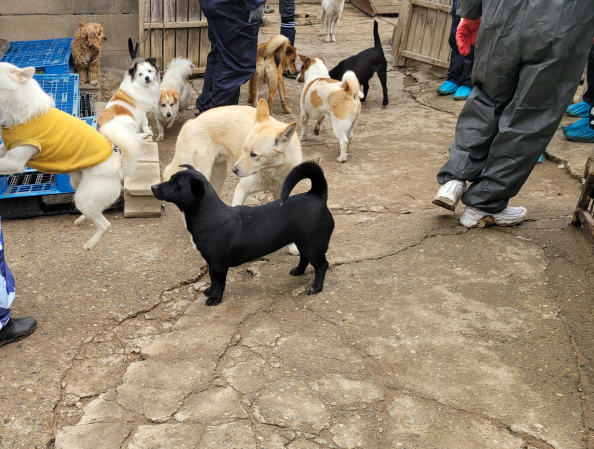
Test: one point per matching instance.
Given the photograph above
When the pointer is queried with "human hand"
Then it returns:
(257, 14)
(466, 34)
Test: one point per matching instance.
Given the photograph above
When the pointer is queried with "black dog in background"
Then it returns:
(365, 64)
(229, 236)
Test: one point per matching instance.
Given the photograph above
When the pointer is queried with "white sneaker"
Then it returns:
(449, 194)
(507, 217)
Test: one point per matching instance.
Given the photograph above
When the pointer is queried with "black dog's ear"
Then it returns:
(132, 70)
(188, 166)
(198, 187)
(154, 62)
(131, 49)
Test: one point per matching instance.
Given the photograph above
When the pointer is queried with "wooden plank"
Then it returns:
(412, 28)
(445, 50)
(437, 37)
(416, 38)
(423, 58)
(168, 33)
(198, 70)
(387, 9)
(174, 25)
(587, 220)
(204, 44)
(366, 6)
(157, 35)
(144, 49)
(401, 29)
(428, 32)
(431, 5)
(181, 35)
(194, 15)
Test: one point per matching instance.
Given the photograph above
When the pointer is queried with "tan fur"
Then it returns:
(122, 96)
(111, 112)
(170, 93)
(277, 48)
(340, 103)
(315, 99)
(86, 51)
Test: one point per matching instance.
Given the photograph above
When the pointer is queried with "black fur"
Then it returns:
(230, 236)
(365, 64)
(133, 51)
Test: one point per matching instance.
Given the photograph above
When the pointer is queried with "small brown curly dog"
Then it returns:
(86, 51)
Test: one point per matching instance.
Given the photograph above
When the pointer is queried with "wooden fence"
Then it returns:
(178, 28)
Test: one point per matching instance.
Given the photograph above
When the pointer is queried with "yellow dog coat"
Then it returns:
(65, 143)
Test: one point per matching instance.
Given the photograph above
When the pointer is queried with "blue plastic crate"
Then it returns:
(34, 183)
(63, 89)
(52, 56)
(92, 121)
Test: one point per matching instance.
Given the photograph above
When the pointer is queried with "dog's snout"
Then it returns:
(147, 79)
(234, 169)
(169, 114)
(104, 38)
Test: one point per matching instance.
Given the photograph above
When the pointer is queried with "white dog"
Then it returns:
(323, 96)
(331, 11)
(37, 135)
(175, 94)
(138, 94)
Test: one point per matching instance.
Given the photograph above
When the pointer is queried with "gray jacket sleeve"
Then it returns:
(470, 9)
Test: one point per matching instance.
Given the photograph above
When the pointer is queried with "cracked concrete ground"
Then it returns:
(426, 335)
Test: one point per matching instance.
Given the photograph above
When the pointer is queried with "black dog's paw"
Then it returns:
(313, 290)
(212, 301)
(296, 271)
(207, 292)
(385, 102)
(363, 99)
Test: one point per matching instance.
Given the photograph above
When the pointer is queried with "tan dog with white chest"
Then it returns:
(275, 57)
(322, 96)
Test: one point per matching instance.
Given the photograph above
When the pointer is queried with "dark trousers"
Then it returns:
(287, 13)
(460, 66)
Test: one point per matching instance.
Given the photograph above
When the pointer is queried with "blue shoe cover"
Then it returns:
(539, 159)
(578, 110)
(447, 88)
(579, 132)
(462, 93)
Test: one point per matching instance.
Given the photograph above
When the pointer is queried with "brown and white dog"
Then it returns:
(322, 96)
(175, 95)
(86, 51)
(275, 57)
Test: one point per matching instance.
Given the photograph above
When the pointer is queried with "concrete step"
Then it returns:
(139, 201)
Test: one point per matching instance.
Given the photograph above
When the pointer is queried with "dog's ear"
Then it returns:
(198, 187)
(175, 94)
(131, 49)
(93, 35)
(81, 23)
(262, 111)
(21, 75)
(320, 58)
(153, 62)
(284, 137)
(303, 59)
(290, 50)
(132, 70)
(188, 166)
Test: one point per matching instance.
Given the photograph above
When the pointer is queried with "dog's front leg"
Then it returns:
(241, 192)
(218, 278)
(161, 130)
(95, 71)
(15, 160)
(146, 129)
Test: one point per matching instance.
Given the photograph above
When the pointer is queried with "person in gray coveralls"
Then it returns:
(529, 58)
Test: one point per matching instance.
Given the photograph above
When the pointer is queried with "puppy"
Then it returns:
(230, 236)
(37, 135)
(175, 94)
(365, 64)
(323, 96)
(86, 51)
(275, 57)
(138, 94)
(331, 12)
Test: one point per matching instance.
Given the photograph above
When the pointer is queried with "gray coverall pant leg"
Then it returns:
(529, 57)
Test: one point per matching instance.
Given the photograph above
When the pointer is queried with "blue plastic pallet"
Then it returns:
(50, 56)
(63, 89)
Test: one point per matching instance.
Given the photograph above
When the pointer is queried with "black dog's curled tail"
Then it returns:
(376, 38)
(306, 170)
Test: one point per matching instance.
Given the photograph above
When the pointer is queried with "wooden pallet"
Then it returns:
(378, 7)
(583, 211)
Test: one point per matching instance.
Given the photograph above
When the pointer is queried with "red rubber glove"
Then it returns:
(466, 34)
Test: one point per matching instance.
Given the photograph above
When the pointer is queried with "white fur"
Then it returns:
(315, 78)
(21, 99)
(144, 90)
(176, 77)
(331, 12)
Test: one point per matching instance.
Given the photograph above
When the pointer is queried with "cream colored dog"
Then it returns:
(323, 96)
(265, 149)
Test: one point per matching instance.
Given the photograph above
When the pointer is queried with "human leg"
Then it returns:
(287, 13)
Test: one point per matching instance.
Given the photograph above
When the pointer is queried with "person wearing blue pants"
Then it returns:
(233, 27)
(11, 329)
(287, 13)
(460, 71)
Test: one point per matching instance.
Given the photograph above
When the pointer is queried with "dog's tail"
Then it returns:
(352, 83)
(376, 38)
(276, 47)
(181, 68)
(306, 170)
(123, 136)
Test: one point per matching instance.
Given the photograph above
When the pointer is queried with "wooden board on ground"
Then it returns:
(378, 7)
(173, 29)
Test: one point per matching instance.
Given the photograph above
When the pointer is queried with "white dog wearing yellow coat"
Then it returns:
(37, 135)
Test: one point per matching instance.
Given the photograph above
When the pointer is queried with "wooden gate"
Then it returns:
(177, 29)
(422, 32)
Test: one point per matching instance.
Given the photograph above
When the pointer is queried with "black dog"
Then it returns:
(365, 64)
(229, 236)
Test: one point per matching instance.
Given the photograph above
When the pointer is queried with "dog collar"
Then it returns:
(138, 60)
